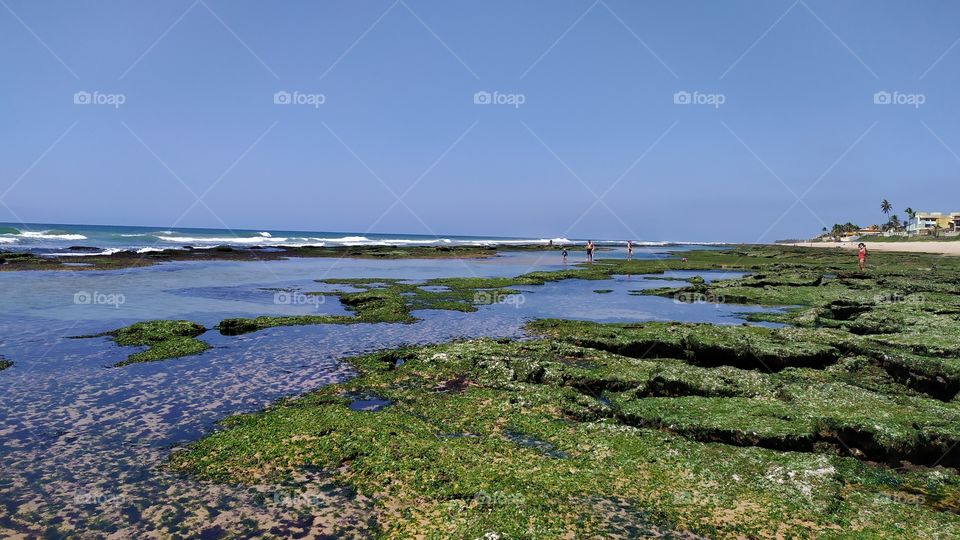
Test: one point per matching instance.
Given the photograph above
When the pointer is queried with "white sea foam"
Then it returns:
(85, 254)
(501, 242)
(7, 240)
(44, 235)
(257, 240)
(265, 239)
(345, 239)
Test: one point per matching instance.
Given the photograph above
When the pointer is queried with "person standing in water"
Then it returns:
(862, 255)
(629, 250)
(564, 253)
(589, 250)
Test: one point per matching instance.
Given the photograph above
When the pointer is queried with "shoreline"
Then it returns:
(935, 247)
(81, 259)
(11, 261)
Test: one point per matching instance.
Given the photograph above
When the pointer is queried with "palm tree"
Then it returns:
(936, 230)
(895, 222)
(886, 207)
(910, 215)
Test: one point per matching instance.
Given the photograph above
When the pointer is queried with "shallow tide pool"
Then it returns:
(83, 443)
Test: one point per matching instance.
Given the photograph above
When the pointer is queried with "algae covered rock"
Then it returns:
(163, 338)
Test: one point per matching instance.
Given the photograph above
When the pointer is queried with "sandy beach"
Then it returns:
(939, 247)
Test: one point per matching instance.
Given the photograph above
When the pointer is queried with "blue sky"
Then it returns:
(797, 142)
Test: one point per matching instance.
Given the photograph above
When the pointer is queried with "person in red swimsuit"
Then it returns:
(862, 255)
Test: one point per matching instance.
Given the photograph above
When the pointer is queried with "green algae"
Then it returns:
(380, 300)
(4, 364)
(537, 454)
(843, 425)
(704, 344)
(164, 339)
(389, 300)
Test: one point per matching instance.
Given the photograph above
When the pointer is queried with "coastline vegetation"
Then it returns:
(844, 423)
(892, 230)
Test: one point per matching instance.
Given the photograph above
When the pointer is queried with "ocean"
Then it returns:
(64, 240)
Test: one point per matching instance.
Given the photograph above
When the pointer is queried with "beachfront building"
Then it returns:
(924, 223)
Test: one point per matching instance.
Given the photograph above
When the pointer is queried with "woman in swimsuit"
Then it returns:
(862, 255)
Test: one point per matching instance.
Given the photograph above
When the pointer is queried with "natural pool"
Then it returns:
(83, 442)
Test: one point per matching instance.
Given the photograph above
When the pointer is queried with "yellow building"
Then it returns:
(926, 222)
